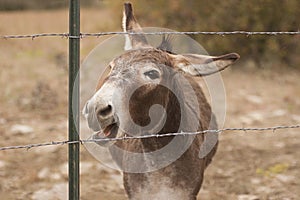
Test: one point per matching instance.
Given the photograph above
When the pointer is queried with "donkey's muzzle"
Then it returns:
(91, 117)
(99, 114)
(104, 114)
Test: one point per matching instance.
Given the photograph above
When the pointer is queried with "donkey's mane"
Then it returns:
(166, 45)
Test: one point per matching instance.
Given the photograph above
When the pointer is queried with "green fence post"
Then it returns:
(74, 60)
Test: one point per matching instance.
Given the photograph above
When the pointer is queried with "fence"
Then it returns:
(245, 130)
(85, 35)
(74, 141)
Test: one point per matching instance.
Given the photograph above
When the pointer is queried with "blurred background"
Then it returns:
(214, 15)
(262, 90)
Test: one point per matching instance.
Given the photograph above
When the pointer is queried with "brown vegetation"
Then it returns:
(232, 15)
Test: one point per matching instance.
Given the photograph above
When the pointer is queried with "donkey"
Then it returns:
(150, 90)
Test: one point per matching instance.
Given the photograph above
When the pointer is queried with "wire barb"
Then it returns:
(53, 143)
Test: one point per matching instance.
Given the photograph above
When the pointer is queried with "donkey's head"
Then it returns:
(141, 77)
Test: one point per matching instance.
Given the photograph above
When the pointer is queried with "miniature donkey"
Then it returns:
(143, 77)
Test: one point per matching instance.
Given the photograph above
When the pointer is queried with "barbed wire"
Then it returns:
(84, 35)
(29, 146)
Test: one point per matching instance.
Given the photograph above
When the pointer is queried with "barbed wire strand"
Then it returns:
(29, 146)
(84, 35)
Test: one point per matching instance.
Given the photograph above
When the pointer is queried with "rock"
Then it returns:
(247, 197)
(255, 181)
(43, 173)
(21, 129)
(263, 189)
(246, 120)
(285, 178)
(2, 164)
(256, 116)
(118, 178)
(254, 99)
(24, 101)
(57, 192)
(62, 125)
(250, 118)
(280, 144)
(63, 169)
(55, 176)
(2, 121)
(278, 113)
(86, 167)
(296, 118)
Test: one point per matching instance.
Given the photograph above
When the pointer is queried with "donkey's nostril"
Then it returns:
(104, 112)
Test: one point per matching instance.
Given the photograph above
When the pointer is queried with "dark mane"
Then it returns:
(165, 44)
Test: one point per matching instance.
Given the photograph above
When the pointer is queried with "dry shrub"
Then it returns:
(43, 97)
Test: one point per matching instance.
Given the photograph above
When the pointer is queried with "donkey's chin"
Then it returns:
(104, 135)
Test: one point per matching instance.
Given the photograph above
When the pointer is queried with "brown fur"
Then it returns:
(176, 91)
(186, 173)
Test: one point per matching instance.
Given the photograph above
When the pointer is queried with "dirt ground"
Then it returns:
(33, 79)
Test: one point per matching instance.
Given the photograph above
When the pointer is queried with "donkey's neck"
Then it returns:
(171, 125)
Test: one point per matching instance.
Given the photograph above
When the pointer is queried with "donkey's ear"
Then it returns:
(131, 25)
(202, 65)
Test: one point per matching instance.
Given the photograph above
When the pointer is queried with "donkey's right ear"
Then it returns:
(130, 25)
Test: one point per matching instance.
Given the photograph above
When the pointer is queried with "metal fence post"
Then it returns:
(74, 60)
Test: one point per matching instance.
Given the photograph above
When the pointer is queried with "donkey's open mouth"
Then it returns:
(110, 131)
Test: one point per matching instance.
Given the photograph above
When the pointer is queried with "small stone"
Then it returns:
(2, 121)
(296, 118)
(57, 192)
(251, 117)
(285, 178)
(254, 99)
(263, 189)
(55, 176)
(278, 113)
(21, 129)
(118, 178)
(256, 116)
(63, 169)
(2, 164)
(255, 181)
(247, 197)
(280, 144)
(246, 120)
(85, 167)
(43, 173)
(24, 101)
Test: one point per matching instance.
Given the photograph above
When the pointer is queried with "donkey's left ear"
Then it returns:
(202, 65)
(130, 25)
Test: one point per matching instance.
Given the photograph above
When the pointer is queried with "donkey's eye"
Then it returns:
(152, 74)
